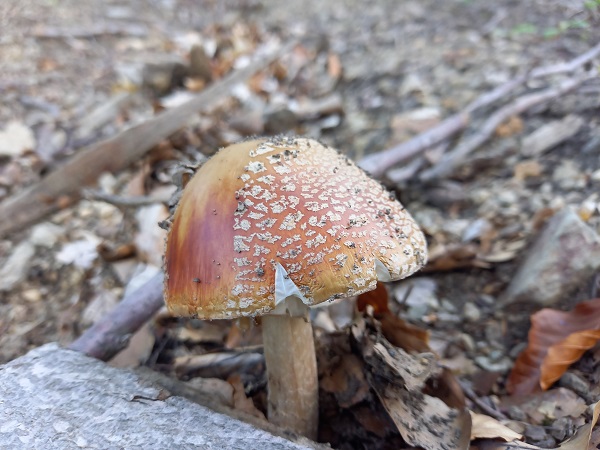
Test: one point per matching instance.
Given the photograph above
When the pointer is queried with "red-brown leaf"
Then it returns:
(556, 340)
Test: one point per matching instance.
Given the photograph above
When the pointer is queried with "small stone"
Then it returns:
(46, 234)
(517, 350)
(561, 427)
(471, 312)
(516, 413)
(449, 318)
(16, 266)
(447, 305)
(467, 341)
(280, 121)
(569, 176)
(486, 300)
(487, 363)
(15, 139)
(576, 383)
(535, 432)
(556, 264)
(31, 295)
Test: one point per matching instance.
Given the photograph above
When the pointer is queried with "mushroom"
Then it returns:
(270, 227)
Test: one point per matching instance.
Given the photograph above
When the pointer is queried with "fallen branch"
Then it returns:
(124, 202)
(378, 163)
(111, 334)
(450, 161)
(62, 187)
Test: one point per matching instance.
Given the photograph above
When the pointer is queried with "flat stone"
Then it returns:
(54, 398)
(564, 256)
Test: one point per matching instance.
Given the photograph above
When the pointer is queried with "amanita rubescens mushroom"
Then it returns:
(270, 227)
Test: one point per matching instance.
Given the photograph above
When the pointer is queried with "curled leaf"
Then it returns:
(556, 340)
(560, 356)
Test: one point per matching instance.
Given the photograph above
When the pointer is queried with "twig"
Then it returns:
(126, 202)
(61, 188)
(471, 395)
(450, 161)
(111, 334)
(88, 32)
(378, 163)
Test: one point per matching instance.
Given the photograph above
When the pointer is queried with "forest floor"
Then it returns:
(364, 78)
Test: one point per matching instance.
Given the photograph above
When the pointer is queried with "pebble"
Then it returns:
(447, 305)
(15, 268)
(471, 312)
(31, 295)
(489, 364)
(577, 384)
(45, 234)
(516, 413)
(569, 176)
(517, 349)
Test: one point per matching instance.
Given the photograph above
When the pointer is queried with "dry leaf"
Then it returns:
(579, 441)
(240, 400)
(550, 327)
(347, 382)
(138, 349)
(526, 169)
(377, 298)
(514, 125)
(565, 353)
(402, 381)
(447, 258)
(487, 427)
(398, 332)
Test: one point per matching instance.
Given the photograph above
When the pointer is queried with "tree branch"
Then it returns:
(450, 161)
(111, 334)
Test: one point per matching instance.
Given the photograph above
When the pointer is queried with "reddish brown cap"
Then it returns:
(267, 221)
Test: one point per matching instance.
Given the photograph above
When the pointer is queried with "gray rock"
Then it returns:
(564, 256)
(16, 266)
(53, 398)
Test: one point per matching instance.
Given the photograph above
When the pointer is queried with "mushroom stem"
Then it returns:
(292, 373)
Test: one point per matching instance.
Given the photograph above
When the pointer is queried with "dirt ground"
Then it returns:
(374, 74)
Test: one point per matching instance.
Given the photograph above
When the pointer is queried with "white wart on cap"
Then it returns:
(268, 224)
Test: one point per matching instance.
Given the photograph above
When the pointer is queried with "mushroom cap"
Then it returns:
(269, 223)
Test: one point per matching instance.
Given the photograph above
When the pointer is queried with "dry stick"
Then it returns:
(450, 161)
(124, 202)
(111, 334)
(61, 188)
(378, 163)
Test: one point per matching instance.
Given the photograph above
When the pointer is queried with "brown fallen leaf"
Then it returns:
(579, 441)
(414, 390)
(514, 125)
(347, 382)
(240, 401)
(398, 332)
(454, 257)
(487, 427)
(550, 328)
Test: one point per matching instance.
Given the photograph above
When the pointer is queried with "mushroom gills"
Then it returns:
(288, 298)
